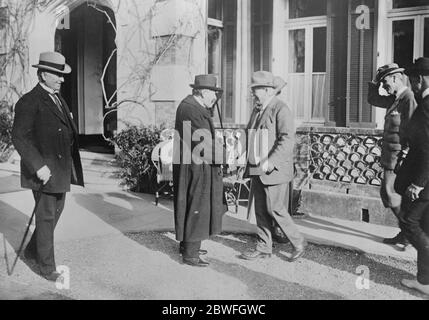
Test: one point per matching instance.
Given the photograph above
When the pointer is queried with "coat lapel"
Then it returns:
(51, 104)
(267, 112)
(68, 115)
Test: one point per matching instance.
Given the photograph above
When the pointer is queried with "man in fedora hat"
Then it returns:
(197, 172)
(400, 105)
(412, 181)
(271, 137)
(46, 138)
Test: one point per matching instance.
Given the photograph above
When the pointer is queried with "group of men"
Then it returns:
(45, 136)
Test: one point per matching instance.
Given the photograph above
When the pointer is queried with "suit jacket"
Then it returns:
(415, 168)
(276, 135)
(398, 114)
(43, 135)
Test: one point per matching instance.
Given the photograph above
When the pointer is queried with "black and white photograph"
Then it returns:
(214, 156)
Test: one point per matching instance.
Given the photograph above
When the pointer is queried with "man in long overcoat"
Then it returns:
(46, 138)
(412, 181)
(271, 136)
(197, 172)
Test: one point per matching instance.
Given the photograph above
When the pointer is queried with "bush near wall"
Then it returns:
(136, 145)
(6, 123)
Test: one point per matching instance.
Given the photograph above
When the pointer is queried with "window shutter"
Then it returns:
(361, 67)
(230, 43)
(337, 55)
(262, 24)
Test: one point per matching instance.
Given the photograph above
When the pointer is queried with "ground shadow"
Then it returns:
(260, 285)
(12, 226)
(382, 269)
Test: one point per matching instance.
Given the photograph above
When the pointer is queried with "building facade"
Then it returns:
(133, 62)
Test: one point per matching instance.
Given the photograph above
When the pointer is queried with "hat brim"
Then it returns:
(416, 72)
(67, 68)
(262, 86)
(205, 87)
(398, 70)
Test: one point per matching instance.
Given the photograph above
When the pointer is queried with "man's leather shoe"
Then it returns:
(398, 239)
(195, 262)
(53, 276)
(255, 254)
(297, 253)
(201, 252)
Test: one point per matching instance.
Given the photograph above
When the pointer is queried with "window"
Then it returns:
(306, 8)
(221, 46)
(398, 4)
(4, 21)
(262, 20)
(403, 42)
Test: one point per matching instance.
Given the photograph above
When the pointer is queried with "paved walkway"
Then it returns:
(119, 245)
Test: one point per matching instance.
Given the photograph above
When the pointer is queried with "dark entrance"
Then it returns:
(87, 45)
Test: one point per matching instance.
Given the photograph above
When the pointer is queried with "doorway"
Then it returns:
(87, 46)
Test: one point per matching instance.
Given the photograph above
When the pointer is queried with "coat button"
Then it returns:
(60, 130)
(60, 156)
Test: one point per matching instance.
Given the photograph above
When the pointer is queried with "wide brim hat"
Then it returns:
(387, 70)
(53, 61)
(262, 79)
(205, 81)
(419, 67)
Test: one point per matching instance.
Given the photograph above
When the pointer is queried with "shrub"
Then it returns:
(6, 122)
(136, 145)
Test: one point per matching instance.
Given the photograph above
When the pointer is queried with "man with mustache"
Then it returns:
(400, 105)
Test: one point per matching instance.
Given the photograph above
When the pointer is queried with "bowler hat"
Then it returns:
(53, 61)
(419, 67)
(262, 79)
(387, 70)
(279, 84)
(205, 81)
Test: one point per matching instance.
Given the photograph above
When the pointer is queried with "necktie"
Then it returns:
(58, 102)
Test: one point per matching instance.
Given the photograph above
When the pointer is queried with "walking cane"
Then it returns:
(10, 272)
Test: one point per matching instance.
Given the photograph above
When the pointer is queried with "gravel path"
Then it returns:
(146, 265)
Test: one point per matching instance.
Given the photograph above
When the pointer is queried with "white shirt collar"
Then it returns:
(425, 93)
(50, 91)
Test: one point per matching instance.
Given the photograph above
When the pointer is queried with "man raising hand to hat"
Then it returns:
(400, 105)
(46, 138)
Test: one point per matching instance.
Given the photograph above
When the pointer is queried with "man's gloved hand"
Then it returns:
(413, 191)
(44, 174)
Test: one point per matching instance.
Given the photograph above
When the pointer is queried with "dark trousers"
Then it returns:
(271, 208)
(41, 245)
(191, 249)
(414, 222)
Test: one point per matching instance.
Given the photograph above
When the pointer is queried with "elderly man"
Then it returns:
(270, 166)
(46, 138)
(412, 181)
(197, 172)
(400, 105)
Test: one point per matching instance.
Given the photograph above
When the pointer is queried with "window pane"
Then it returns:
(297, 51)
(215, 9)
(409, 3)
(403, 42)
(426, 41)
(319, 49)
(214, 50)
(306, 8)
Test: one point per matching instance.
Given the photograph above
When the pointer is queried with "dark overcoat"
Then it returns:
(415, 168)
(198, 188)
(43, 135)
